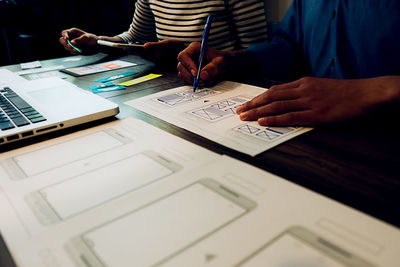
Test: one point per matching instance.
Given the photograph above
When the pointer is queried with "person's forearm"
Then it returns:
(387, 89)
(116, 39)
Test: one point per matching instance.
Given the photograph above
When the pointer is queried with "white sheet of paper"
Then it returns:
(36, 76)
(31, 65)
(101, 67)
(72, 59)
(8, 77)
(211, 113)
(129, 194)
(39, 70)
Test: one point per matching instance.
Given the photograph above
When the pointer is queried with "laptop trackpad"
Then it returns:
(63, 99)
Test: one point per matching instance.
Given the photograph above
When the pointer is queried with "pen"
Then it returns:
(74, 47)
(203, 50)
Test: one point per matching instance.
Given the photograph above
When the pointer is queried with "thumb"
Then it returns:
(214, 68)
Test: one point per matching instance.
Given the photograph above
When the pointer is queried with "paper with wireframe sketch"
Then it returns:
(211, 113)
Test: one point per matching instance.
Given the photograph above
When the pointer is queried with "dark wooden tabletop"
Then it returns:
(357, 164)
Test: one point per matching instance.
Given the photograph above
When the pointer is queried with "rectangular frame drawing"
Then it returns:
(268, 134)
(219, 110)
(16, 172)
(314, 245)
(208, 193)
(57, 208)
(184, 97)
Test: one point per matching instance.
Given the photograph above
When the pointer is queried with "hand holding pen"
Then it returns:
(203, 50)
(75, 40)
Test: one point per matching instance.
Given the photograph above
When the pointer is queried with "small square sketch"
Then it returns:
(248, 129)
(184, 97)
(211, 113)
(220, 110)
(224, 104)
(268, 135)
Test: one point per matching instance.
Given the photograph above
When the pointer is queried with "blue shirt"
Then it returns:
(334, 39)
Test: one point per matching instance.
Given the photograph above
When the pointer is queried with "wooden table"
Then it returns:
(357, 164)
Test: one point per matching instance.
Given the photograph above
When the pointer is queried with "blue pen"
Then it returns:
(203, 50)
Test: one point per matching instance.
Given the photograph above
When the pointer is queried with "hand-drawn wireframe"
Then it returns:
(298, 246)
(219, 110)
(24, 166)
(184, 97)
(53, 203)
(265, 133)
(168, 226)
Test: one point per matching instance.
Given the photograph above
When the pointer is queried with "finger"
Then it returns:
(298, 118)
(63, 41)
(71, 50)
(268, 97)
(212, 69)
(150, 45)
(75, 32)
(79, 40)
(186, 57)
(288, 85)
(65, 35)
(185, 73)
(277, 107)
(68, 47)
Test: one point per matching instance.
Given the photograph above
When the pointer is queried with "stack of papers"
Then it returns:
(129, 194)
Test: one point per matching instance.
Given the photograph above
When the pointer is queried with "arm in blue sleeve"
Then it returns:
(281, 58)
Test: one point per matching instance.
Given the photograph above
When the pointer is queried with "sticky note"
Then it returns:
(98, 86)
(108, 89)
(141, 79)
(117, 76)
(31, 65)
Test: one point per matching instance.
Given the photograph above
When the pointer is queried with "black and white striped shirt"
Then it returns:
(238, 23)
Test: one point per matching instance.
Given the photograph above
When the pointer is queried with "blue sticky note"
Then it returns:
(108, 89)
(117, 76)
(98, 86)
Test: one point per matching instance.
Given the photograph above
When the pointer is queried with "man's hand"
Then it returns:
(78, 38)
(225, 64)
(216, 63)
(313, 101)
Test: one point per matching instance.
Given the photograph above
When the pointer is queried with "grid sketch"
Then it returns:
(184, 97)
(265, 133)
(219, 110)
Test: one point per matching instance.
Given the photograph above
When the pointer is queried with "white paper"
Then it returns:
(31, 65)
(101, 67)
(211, 113)
(8, 78)
(38, 70)
(296, 253)
(72, 59)
(156, 200)
(36, 76)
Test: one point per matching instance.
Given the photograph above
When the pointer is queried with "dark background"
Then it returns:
(32, 27)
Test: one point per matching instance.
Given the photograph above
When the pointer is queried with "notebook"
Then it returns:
(30, 108)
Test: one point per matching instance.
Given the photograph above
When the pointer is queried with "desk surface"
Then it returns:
(357, 164)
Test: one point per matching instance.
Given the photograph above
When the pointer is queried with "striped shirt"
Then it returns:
(238, 23)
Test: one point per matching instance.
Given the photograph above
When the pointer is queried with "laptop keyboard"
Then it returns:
(16, 112)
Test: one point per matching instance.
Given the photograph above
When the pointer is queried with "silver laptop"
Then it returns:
(29, 108)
